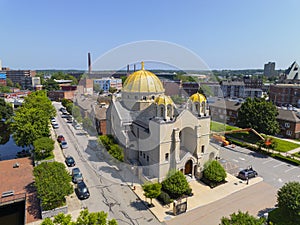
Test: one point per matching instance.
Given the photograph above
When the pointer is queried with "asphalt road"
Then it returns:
(274, 172)
(107, 184)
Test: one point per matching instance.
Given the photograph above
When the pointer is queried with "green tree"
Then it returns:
(175, 185)
(47, 221)
(4, 89)
(112, 89)
(29, 124)
(288, 198)
(41, 76)
(76, 113)
(242, 218)
(53, 183)
(69, 107)
(39, 100)
(65, 102)
(51, 85)
(97, 88)
(17, 85)
(258, 114)
(87, 123)
(214, 171)
(9, 83)
(6, 110)
(43, 147)
(152, 190)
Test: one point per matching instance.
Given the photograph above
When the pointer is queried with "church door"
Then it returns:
(188, 167)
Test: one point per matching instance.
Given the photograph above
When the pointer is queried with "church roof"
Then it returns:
(197, 97)
(143, 81)
(292, 73)
(163, 100)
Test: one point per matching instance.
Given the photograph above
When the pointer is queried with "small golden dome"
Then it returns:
(197, 97)
(163, 100)
(143, 81)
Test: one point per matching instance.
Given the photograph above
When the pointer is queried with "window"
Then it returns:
(289, 133)
(202, 148)
(161, 111)
(144, 155)
(147, 158)
(141, 153)
(167, 157)
(287, 125)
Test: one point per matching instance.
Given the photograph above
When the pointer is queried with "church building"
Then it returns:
(157, 135)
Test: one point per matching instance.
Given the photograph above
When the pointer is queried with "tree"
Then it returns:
(4, 89)
(9, 83)
(214, 171)
(65, 102)
(151, 190)
(53, 183)
(87, 123)
(242, 218)
(39, 100)
(51, 85)
(258, 114)
(175, 185)
(43, 147)
(76, 113)
(6, 110)
(29, 124)
(112, 89)
(288, 198)
(85, 218)
(17, 85)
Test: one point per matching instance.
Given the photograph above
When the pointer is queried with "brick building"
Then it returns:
(285, 94)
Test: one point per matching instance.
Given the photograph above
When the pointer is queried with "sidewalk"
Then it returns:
(203, 195)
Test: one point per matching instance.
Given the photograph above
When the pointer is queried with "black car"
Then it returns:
(82, 191)
(247, 173)
(70, 161)
(76, 175)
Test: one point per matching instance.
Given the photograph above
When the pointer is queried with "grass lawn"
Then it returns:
(220, 127)
(297, 154)
(284, 146)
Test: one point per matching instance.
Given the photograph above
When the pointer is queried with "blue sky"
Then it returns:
(227, 34)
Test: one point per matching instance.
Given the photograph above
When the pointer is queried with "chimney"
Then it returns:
(133, 67)
(89, 63)
(127, 69)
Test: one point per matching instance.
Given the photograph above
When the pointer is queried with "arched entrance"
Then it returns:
(188, 169)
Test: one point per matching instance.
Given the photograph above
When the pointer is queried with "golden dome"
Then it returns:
(163, 100)
(197, 97)
(143, 81)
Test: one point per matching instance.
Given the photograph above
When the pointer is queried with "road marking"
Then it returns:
(235, 160)
(279, 165)
(289, 169)
(267, 161)
(241, 158)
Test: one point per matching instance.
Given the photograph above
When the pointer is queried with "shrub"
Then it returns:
(53, 183)
(112, 148)
(164, 198)
(214, 171)
(152, 190)
(175, 185)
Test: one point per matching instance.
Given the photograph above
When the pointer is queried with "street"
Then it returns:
(109, 190)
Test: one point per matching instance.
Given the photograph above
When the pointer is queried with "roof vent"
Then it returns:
(16, 165)
(7, 193)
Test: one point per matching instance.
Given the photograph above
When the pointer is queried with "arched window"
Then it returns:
(162, 111)
(169, 110)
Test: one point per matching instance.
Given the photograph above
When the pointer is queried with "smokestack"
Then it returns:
(127, 69)
(89, 63)
(133, 67)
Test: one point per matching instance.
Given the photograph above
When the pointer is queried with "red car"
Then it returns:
(60, 138)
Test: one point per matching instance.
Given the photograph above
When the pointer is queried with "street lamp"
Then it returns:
(132, 168)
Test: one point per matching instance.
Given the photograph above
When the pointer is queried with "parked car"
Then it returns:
(62, 109)
(76, 175)
(82, 191)
(55, 125)
(70, 161)
(64, 144)
(247, 173)
(77, 127)
(53, 120)
(60, 138)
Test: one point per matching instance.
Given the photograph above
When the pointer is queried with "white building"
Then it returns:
(157, 135)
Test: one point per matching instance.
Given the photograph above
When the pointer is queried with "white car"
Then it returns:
(77, 127)
(55, 125)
